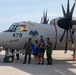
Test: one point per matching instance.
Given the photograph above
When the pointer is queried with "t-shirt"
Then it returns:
(41, 48)
(35, 50)
(28, 47)
(50, 45)
(42, 41)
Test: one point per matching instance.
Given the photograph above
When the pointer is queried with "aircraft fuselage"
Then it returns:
(16, 39)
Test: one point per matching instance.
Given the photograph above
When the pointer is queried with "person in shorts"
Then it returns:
(41, 50)
(35, 51)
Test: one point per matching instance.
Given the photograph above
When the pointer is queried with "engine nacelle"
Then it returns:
(55, 21)
(74, 25)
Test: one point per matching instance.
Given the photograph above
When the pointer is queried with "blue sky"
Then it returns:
(29, 10)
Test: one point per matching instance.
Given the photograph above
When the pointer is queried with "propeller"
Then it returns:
(66, 23)
(44, 19)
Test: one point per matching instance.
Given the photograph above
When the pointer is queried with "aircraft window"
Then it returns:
(13, 27)
(23, 28)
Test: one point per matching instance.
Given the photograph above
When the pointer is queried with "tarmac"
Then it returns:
(62, 65)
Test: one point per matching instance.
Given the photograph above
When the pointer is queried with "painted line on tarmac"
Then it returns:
(60, 72)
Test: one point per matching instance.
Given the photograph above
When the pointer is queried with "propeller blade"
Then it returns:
(71, 36)
(64, 13)
(46, 14)
(68, 9)
(66, 42)
(44, 19)
(62, 35)
(47, 20)
(71, 13)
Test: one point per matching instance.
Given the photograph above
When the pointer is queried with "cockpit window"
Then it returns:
(23, 28)
(13, 27)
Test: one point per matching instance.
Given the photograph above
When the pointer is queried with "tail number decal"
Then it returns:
(17, 35)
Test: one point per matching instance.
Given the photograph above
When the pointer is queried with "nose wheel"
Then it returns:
(8, 58)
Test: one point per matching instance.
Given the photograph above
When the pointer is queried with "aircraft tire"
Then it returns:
(10, 59)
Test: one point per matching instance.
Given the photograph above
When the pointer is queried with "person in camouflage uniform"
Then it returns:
(28, 50)
(49, 51)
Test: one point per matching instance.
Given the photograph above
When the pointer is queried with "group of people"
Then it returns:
(38, 49)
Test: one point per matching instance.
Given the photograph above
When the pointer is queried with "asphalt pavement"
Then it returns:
(62, 65)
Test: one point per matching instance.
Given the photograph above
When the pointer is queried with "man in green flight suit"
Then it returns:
(28, 47)
(49, 51)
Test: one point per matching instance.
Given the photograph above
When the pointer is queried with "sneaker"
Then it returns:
(42, 63)
(48, 64)
(38, 63)
(24, 62)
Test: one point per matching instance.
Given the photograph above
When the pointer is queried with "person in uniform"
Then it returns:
(49, 51)
(28, 50)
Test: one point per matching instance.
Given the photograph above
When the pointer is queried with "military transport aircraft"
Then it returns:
(18, 33)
